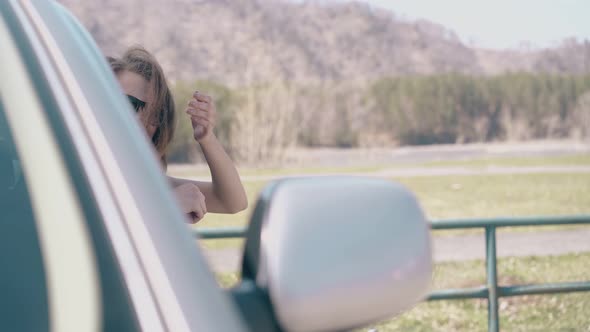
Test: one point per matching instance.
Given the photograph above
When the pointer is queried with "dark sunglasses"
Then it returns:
(137, 104)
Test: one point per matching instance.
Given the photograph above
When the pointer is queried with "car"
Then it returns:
(91, 237)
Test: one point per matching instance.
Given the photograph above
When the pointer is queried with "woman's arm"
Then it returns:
(225, 193)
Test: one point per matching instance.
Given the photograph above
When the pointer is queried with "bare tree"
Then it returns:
(581, 117)
(265, 125)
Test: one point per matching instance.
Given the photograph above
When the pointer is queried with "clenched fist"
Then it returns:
(203, 115)
(192, 201)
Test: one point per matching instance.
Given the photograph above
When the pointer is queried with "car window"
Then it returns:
(24, 298)
(182, 287)
(24, 301)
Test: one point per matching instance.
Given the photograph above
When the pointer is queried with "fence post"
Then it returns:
(492, 281)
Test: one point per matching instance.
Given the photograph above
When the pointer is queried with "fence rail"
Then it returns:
(491, 291)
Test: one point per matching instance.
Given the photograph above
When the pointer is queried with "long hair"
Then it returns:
(161, 109)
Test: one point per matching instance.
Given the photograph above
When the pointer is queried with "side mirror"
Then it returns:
(334, 253)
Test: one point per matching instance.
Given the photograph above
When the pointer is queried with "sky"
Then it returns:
(501, 23)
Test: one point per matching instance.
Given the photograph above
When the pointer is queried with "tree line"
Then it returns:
(258, 123)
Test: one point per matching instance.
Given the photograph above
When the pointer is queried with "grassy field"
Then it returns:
(466, 196)
(456, 196)
(479, 163)
(566, 160)
(562, 312)
(481, 196)
(502, 195)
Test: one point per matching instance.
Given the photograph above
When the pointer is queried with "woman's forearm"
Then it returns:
(227, 187)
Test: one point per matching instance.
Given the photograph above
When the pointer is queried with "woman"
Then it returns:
(143, 81)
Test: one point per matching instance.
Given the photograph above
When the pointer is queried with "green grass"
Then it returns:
(502, 195)
(486, 196)
(445, 197)
(479, 163)
(566, 160)
(563, 312)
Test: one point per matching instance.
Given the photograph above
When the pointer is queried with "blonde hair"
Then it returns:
(161, 109)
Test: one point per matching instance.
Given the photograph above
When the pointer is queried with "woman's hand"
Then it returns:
(192, 201)
(203, 115)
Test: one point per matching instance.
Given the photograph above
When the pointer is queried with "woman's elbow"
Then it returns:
(239, 206)
(243, 205)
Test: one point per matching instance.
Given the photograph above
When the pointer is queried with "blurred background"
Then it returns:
(481, 108)
(292, 75)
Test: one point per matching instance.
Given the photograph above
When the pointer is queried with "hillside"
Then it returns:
(241, 41)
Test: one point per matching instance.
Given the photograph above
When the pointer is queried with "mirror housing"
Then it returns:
(335, 253)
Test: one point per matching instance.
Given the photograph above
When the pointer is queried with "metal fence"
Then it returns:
(491, 290)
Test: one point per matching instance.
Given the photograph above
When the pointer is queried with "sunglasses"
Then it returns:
(137, 104)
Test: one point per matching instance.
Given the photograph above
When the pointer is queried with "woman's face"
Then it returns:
(135, 85)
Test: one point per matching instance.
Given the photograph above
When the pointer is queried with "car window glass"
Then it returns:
(24, 301)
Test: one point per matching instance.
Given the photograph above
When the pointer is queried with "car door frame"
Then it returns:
(158, 300)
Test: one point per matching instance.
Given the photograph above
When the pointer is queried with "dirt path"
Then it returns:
(464, 247)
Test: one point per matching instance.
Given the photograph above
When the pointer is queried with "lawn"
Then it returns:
(502, 195)
(465, 196)
(478, 163)
(562, 312)
(483, 196)
(565, 160)
(456, 196)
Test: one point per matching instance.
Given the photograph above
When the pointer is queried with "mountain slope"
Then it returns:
(241, 41)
